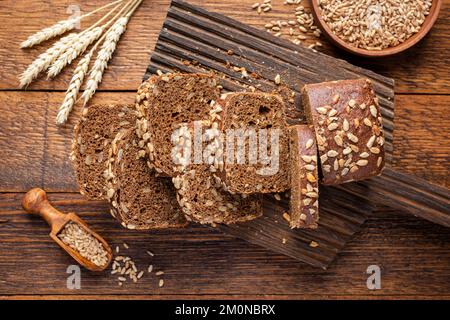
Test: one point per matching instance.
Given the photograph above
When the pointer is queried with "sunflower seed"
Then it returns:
(362, 163)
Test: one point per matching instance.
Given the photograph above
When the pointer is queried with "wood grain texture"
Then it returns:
(421, 137)
(423, 69)
(406, 192)
(203, 263)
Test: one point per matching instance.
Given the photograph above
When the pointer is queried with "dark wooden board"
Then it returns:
(407, 193)
(195, 40)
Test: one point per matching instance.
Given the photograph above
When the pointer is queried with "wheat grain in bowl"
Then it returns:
(374, 24)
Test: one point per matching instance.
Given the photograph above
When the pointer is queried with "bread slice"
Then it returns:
(204, 200)
(163, 103)
(93, 134)
(138, 198)
(254, 171)
(348, 124)
(201, 194)
(304, 204)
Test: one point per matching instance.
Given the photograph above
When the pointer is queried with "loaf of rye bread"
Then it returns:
(163, 102)
(247, 169)
(304, 204)
(93, 134)
(348, 125)
(139, 200)
(201, 194)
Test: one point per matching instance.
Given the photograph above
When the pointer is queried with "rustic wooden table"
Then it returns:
(413, 254)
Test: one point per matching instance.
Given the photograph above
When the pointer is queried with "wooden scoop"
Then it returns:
(36, 202)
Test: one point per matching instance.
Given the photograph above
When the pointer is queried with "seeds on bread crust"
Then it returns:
(350, 140)
(304, 211)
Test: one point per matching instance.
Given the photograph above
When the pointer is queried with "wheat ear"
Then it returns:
(50, 32)
(43, 61)
(72, 52)
(105, 53)
(58, 28)
(74, 88)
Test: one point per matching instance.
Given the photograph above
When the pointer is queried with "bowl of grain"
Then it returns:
(374, 28)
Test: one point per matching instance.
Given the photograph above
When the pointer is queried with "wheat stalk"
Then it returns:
(43, 61)
(72, 52)
(112, 37)
(74, 88)
(50, 32)
(58, 28)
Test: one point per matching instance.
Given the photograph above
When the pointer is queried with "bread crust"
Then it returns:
(348, 125)
(304, 203)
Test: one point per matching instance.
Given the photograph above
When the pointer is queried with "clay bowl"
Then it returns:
(426, 27)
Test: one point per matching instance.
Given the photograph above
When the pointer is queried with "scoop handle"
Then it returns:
(36, 202)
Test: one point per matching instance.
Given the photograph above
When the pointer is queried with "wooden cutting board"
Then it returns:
(195, 40)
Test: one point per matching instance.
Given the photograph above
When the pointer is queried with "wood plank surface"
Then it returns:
(198, 262)
(425, 69)
(412, 253)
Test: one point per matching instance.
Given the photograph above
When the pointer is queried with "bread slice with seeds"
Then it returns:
(93, 134)
(202, 195)
(304, 204)
(256, 143)
(203, 199)
(348, 124)
(138, 198)
(163, 103)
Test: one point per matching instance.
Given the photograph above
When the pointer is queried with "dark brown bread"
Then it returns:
(255, 111)
(203, 199)
(163, 103)
(202, 195)
(93, 134)
(347, 120)
(304, 204)
(139, 200)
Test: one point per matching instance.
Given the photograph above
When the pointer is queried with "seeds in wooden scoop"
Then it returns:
(375, 25)
(81, 241)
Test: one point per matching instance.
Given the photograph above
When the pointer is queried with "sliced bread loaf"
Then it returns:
(163, 103)
(93, 134)
(304, 204)
(138, 198)
(256, 143)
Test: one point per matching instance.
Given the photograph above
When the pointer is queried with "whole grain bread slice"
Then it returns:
(93, 134)
(163, 103)
(201, 194)
(304, 204)
(139, 200)
(256, 143)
